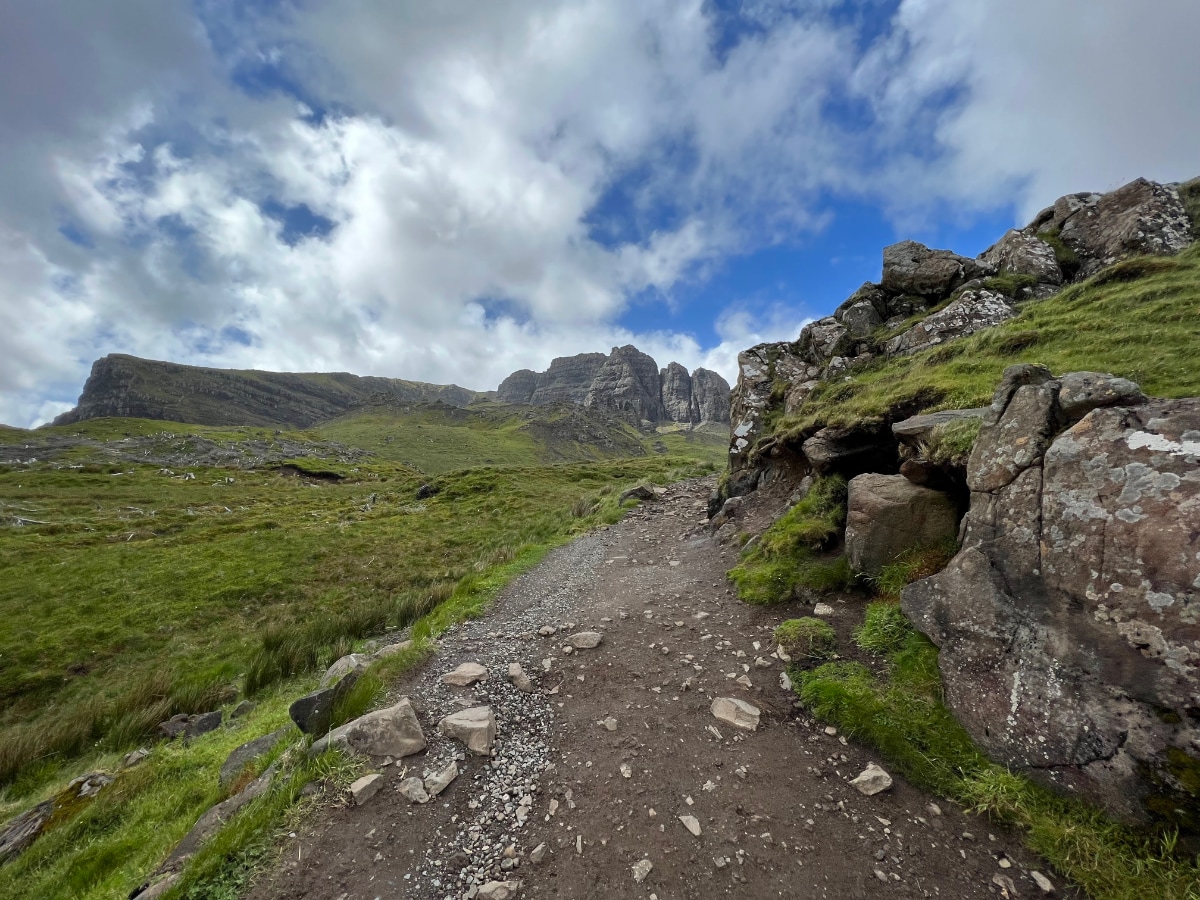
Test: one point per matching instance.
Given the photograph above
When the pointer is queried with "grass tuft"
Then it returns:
(807, 639)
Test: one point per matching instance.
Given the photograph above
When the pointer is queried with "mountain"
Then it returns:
(130, 387)
(626, 383)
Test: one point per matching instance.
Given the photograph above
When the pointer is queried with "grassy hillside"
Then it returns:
(1139, 319)
(151, 571)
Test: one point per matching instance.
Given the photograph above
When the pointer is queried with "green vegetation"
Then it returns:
(1189, 193)
(1139, 319)
(1009, 284)
(913, 565)
(785, 559)
(901, 714)
(132, 592)
(950, 443)
(807, 639)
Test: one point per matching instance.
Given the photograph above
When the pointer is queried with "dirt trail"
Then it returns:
(776, 814)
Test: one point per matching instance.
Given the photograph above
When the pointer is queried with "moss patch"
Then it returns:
(807, 639)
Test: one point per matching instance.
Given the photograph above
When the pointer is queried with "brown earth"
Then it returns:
(777, 815)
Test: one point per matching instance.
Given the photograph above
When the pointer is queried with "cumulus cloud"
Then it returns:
(452, 191)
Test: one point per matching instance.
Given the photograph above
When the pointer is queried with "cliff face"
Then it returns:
(141, 388)
(626, 383)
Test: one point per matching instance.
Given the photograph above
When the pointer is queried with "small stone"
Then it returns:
(785, 681)
(1045, 885)
(610, 723)
(879, 873)
(642, 869)
(692, 824)
(933, 809)
(626, 770)
(134, 758)
(822, 609)
(735, 712)
(830, 730)
(475, 727)
(518, 678)
(366, 788)
(465, 675)
(439, 781)
(1005, 862)
(1007, 888)
(586, 640)
(547, 630)
(538, 853)
(872, 780)
(243, 709)
(499, 890)
(413, 789)
(744, 681)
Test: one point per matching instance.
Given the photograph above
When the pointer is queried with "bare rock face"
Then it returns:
(1024, 254)
(710, 397)
(518, 387)
(912, 268)
(1141, 217)
(1068, 623)
(677, 394)
(627, 385)
(568, 379)
(887, 515)
(971, 312)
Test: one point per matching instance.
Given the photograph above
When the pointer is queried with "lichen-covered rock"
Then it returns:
(887, 515)
(1141, 217)
(912, 268)
(759, 370)
(19, 833)
(913, 430)
(861, 319)
(1068, 623)
(394, 731)
(972, 311)
(1024, 254)
(820, 341)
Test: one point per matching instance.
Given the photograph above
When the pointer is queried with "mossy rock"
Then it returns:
(807, 639)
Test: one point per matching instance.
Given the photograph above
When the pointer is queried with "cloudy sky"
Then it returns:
(450, 191)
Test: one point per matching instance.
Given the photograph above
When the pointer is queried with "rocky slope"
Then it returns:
(127, 386)
(627, 383)
(1067, 622)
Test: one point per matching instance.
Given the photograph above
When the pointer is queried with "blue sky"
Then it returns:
(449, 192)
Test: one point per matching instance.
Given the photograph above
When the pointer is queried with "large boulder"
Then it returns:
(313, 713)
(710, 396)
(822, 340)
(677, 394)
(887, 515)
(1024, 254)
(912, 268)
(627, 385)
(972, 311)
(760, 369)
(1070, 641)
(394, 731)
(1142, 217)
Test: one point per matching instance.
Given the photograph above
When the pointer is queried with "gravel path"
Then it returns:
(613, 763)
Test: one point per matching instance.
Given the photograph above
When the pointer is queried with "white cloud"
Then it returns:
(462, 151)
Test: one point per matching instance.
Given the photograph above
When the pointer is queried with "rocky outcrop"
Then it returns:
(627, 384)
(127, 386)
(1073, 239)
(677, 394)
(887, 515)
(1068, 623)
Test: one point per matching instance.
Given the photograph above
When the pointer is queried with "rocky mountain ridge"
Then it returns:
(627, 383)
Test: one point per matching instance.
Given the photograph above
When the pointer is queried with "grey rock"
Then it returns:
(568, 379)
(474, 727)
(212, 820)
(413, 790)
(352, 662)
(820, 341)
(135, 758)
(518, 678)
(204, 723)
(158, 888)
(586, 640)
(972, 311)
(677, 394)
(873, 294)
(393, 732)
(441, 779)
(465, 675)
(1081, 392)
(872, 780)
(912, 268)
(1024, 254)
(392, 649)
(313, 713)
(237, 761)
(850, 451)
(888, 515)
(18, 834)
(692, 824)
(243, 709)
(710, 397)
(642, 869)
(499, 890)
(1141, 217)
(366, 787)
(538, 853)
(518, 387)
(861, 320)
(642, 492)
(914, 430)
(735, 712)
(1064, 622)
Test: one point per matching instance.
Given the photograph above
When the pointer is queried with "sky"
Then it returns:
(451, 191)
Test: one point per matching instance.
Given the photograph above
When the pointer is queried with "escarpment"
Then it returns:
(626, 383)
(1068, 618)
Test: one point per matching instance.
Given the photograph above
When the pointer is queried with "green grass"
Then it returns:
(786, 559)
(913, 565)
(806, 639)
(1139, 319)
(144, 594)
(950, 443)
(902, 715)
(1189, 193)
